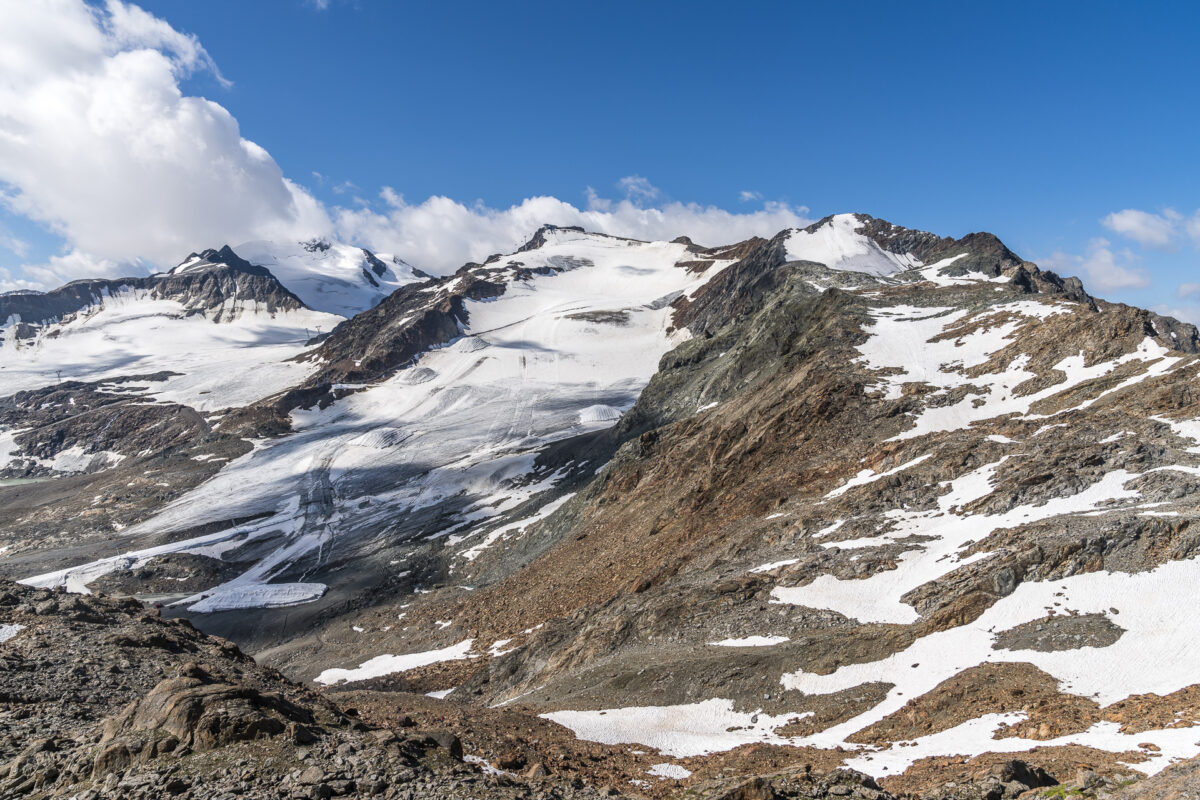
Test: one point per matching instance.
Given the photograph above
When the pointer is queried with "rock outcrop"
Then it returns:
(219, 284)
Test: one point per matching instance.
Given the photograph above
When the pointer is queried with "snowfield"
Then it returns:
(388, 665)
(1153, 655)
(457, 446)
(838, 245)
(333, 278)
(218, 364)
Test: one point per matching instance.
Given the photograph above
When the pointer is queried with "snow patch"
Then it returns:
(669, 771)
(388, 664)
(263, 595)
(751, 641)
(599, 413)
(838, 245)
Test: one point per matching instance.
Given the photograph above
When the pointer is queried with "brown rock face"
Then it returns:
(206, 715)
(989, 689)
(196, 711)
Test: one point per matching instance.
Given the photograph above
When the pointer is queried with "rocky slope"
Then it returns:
(218, 283)
(854, 496)
(103, 698)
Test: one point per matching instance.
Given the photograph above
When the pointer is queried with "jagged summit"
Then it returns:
(331, 277)
(208, 259)
(544, 233)
(862, 243)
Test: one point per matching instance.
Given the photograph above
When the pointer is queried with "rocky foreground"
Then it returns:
(103, 698)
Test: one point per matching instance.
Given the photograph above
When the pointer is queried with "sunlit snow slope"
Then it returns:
(331, 277)
(444, 446)
(215, 322)
(133, 333)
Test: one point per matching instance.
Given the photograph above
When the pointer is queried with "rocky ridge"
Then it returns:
(218, 284)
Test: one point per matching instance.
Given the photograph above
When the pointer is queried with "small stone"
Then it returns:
(342, 787)
(449, 742)
(510, 761)
(175, 786)
(312, 775)
(300, 734)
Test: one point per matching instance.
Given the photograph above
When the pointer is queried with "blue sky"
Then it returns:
(1036, 121)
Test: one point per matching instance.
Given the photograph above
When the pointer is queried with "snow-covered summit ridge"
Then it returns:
(332, 277)
(838, 243)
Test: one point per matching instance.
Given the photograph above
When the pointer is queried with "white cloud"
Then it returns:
(1192, 227)
(10, 242)
(1103, 268)
(1161, 231)
(441, 234)
(98, 142)
(637, 188)
(1152, 230)
(1187, 313)
(1188, 289)
(748, 196)
(67, 267)
(64, 268)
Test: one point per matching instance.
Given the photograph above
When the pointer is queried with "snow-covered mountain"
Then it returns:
(856, 494)
(215, 309)
(453, 440)
(327, 276)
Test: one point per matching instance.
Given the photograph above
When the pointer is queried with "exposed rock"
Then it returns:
(220, 286)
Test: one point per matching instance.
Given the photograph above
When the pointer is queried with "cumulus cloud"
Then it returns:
(746, 196)
(1152, 230)
(1161, 231)
(99, 143)
(1187, 313)
(10, 242)
(64, 268)
(637, 188)
(441, 234)
(1104, 269)
(1192, 227)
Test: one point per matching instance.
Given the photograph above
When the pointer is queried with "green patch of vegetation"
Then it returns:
(1062, 790)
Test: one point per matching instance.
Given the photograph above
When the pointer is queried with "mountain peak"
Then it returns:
(543, 234)
(838, 242)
